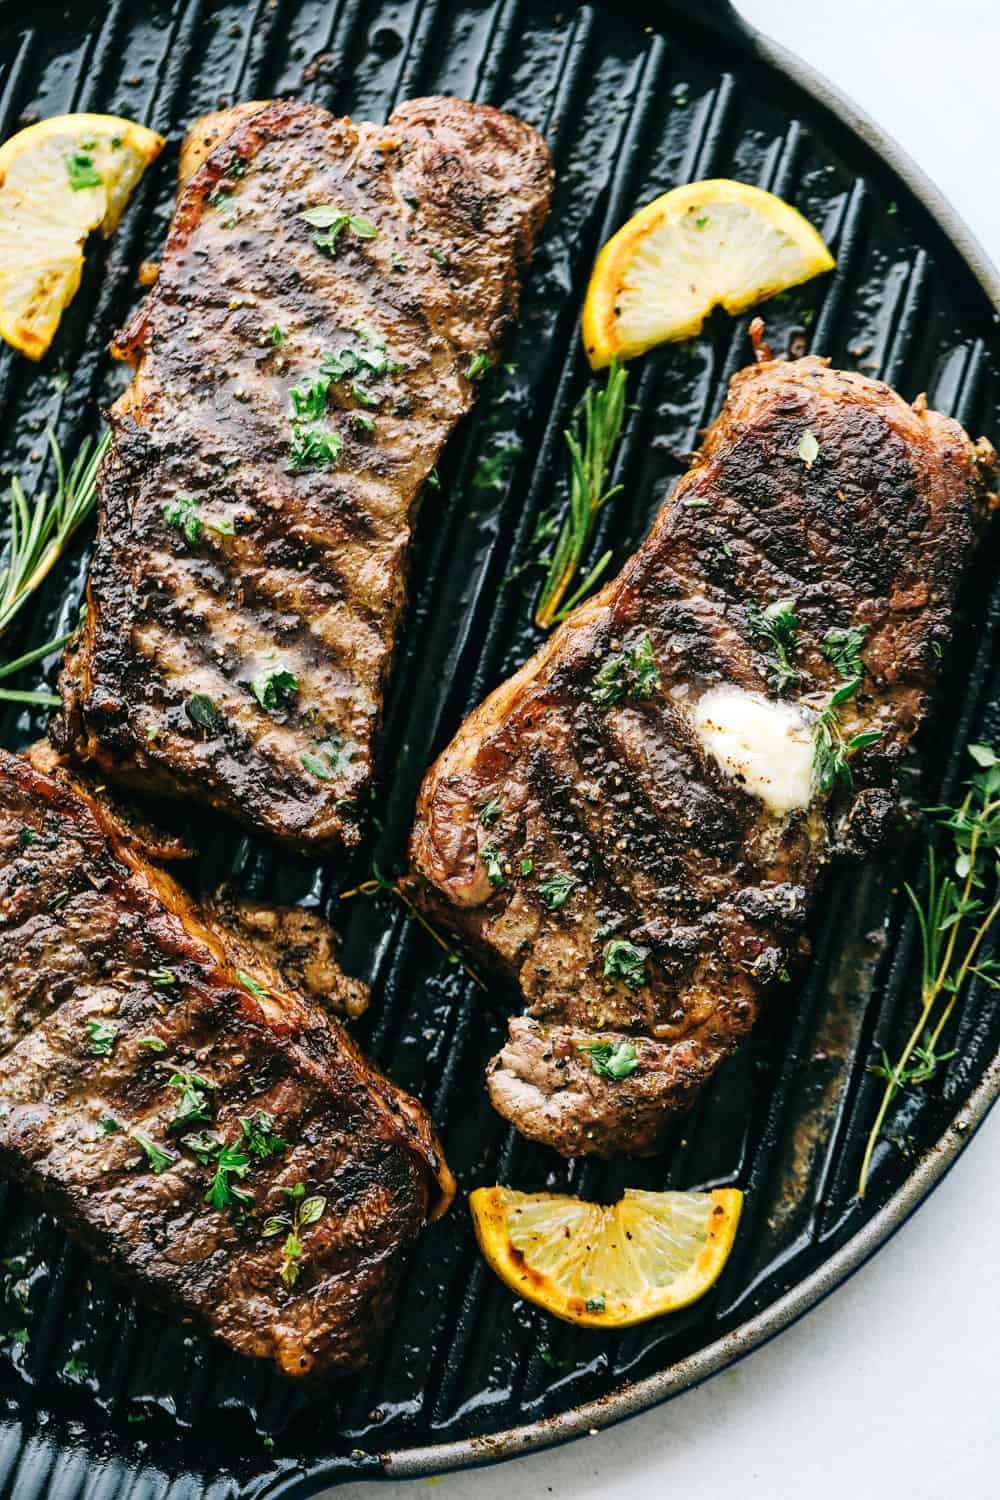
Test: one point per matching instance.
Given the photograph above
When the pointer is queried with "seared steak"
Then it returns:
(330, 295)
(634, 824)
(168, 1096)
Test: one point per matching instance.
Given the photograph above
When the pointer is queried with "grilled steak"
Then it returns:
(634, 824)
(295, 381)
(167, 1095)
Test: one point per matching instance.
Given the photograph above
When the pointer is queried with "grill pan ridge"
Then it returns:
(108, 1400)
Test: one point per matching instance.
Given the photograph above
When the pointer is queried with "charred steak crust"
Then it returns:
(297, 570)
(92, 933)
(663, 848)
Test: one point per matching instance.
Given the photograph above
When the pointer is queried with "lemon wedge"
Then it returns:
(59, 180)
(705, 244)
(650, 1253)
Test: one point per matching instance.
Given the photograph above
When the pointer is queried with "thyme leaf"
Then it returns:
(777, 625)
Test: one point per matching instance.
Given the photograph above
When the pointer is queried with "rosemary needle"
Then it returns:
(40, 531)
(591, 438)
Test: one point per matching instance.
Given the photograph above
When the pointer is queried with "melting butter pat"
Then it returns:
(767, 747)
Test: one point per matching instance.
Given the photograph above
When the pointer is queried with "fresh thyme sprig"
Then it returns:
(378, 883)
(40, 531)
(954, 920)
(593, 433)
(833, 751)
(776, 624)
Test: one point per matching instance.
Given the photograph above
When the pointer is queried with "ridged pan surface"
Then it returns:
(103, 1398)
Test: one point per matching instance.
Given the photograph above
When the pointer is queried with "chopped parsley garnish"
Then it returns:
(527, 865)
(303, 1212)
(26, 836)
(103, 1035)
(333, 221)
(322, 769)
(494, 868)
(361, 422)
(182, 513)
(109, 1125)
(596, 1304)
(777, 625)
(478, 365)
(553, 892)
(203, 713)
(626, 962)
(259, 1136)
(203, 1146)
(276, 334)
(438, 255)
(249, 983)
(158, 1159)
(162, 979)
(360, 394)
(274, 687)
(629, 673)
(82, 172)
(309, 400)
(313, 447)
(223, 1191)
(193, 1103)
(314, 443)
(76, 1369)
(152, 1043)
(615, 1060)
(808, 449)
(489, 812)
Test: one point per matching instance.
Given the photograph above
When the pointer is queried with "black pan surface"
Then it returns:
(102, 1398)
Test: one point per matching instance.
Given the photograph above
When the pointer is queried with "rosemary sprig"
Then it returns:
(954, 920)
(40, 531)
(593, 433)
(23, 695)
(378, 883)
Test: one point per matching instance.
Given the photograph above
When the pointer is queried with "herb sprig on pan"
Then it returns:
(379, 883)
(954, 919)
(41, 529)
(776, 624)
(591, 438)
(832, 750)
(302, 1212)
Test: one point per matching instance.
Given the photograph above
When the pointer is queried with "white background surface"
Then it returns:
(889, 1388)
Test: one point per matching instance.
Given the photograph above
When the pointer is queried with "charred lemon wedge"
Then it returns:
(648, 1254)
(60, 180)
(700, 246)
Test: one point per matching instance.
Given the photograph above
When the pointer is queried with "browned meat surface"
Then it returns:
(300, 944)
(633, 825)
(131, 825)
(162, 1089)
(294, 385)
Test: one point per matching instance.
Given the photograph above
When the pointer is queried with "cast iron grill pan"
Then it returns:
(106, 1399)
